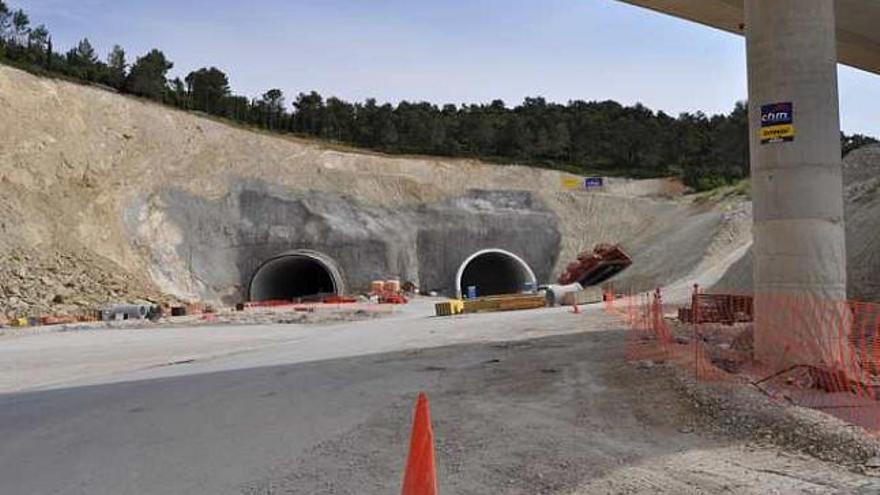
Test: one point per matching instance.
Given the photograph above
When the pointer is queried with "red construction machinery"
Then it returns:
(597, 266)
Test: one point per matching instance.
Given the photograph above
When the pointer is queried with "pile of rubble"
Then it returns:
(69, 282)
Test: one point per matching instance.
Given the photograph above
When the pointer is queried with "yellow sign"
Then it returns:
(572, 182)
(777, 133)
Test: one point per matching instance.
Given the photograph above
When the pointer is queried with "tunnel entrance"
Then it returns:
(296, 275)
(494, 272)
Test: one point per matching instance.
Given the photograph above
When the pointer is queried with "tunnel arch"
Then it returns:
(296, 274)
(494, 271)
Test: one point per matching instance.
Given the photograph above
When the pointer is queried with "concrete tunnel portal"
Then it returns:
(494, 272)
(293, 275)
(306, 274)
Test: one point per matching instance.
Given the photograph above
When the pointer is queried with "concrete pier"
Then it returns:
(796, 178)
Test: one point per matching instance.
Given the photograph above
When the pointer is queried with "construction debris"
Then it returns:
(593, 268)
(67, 282)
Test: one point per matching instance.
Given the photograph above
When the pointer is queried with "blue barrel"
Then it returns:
(472, 292)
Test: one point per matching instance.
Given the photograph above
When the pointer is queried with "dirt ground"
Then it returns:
(532, 402)
(562, 415)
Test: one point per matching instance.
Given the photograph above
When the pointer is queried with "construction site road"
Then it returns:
(523, 403)
(31, 361)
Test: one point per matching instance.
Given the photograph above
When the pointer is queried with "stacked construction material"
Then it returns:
(388, 292)
(392, 285)
(593, 268)
(511, 302)
(718, 308)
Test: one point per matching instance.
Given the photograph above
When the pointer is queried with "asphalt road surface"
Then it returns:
(522, 403)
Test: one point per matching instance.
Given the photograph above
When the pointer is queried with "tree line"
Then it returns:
(586, 137)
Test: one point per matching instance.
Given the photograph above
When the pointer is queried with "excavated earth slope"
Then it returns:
(861, 178)
(109, 198)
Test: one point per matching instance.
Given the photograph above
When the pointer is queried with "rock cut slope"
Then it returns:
(131, 192)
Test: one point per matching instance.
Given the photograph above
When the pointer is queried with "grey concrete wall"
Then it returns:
(799, 242)
(514, 221)
(224, 240)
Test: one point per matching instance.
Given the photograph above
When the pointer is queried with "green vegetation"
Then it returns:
(706, 152)
(738, 189)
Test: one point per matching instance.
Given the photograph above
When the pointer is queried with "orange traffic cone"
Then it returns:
(421, 471)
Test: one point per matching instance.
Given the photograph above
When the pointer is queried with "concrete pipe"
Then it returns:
(126, 312)
(494, 272)
(294, 275)
(556, 293)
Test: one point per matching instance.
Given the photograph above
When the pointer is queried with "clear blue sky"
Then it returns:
(456, 51)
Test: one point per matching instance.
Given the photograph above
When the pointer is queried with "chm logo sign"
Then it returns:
(775, 117)
(777, 123)
(777, 114)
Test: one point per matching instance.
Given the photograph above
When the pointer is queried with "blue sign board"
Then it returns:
(591, 182)
(777, 114)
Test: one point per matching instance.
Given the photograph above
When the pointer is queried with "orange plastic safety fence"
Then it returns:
(803, 349)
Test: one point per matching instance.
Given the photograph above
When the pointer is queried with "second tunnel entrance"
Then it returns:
(494, 272)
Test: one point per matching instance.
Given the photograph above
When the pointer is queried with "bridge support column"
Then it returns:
(799, 244)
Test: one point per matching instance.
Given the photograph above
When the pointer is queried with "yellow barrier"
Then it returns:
(449, 308)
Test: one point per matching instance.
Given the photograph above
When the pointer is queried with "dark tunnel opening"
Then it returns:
(293, 277)
(495, 273)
